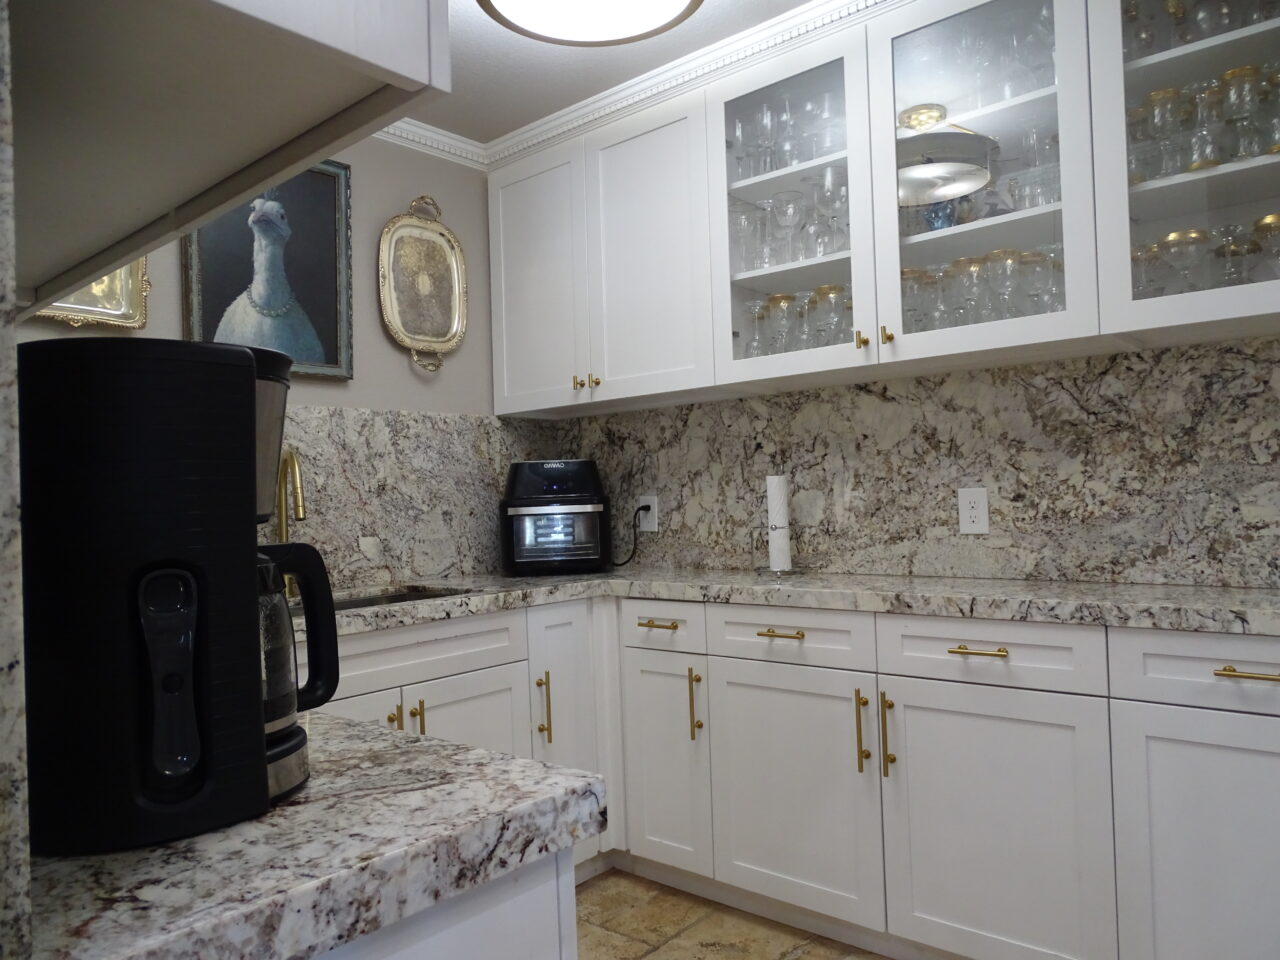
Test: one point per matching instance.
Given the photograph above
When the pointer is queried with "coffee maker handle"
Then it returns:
(304, 562)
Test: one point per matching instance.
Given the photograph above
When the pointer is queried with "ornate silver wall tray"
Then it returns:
(422, 284)
(118, 300)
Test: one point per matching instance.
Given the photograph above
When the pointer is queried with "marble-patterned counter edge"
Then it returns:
(388, 826)
(1168, 607)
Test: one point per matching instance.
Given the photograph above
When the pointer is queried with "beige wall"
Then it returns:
(384, 178)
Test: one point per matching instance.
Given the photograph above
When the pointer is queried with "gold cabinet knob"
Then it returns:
(697, 678)
(860, 341)
(539, 682)
(391, 718)
(697, 724)
(542, 728)
(414, 712)
(578, 383)
(885, 335)
(593, 381)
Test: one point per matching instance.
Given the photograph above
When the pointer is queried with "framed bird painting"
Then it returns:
(276, 273)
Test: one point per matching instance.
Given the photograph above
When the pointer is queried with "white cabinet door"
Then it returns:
(562, 692)
(1155, 187)
(966, 274)
(383, 707)
(795, 800)
(668, 758)
(997, 821)
(1197, 836)
(649, 272)
(484, 708)
(537, 231)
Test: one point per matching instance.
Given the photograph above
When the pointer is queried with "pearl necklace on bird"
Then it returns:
(278, 312)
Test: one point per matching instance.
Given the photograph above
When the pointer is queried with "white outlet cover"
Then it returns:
(649, 519)
(973, 510)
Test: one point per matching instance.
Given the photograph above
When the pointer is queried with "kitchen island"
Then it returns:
(397, 846)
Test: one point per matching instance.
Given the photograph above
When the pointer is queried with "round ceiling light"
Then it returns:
(589, 23)
(943, 165)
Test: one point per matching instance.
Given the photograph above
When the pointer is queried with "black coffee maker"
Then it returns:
(143, 469)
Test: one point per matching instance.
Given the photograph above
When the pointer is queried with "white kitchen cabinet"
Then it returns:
(484, 708)
(384, 706)
(796, 786)
(1004, 69)
(1197, 837)
(1152, 189)
(186, 109)
(562, 692)
(828, 76)
(538, 276)
(667, 756)
(648, 264)
(997, 821)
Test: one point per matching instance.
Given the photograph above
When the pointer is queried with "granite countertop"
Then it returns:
(1170, 607)
(387, 825)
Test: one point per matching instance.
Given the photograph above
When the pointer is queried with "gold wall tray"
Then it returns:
(117, 300)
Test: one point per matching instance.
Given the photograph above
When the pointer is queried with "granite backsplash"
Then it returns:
(1157, 466)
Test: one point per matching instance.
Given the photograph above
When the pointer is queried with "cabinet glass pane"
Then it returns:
(1202, 99)
(979, 191)
(789, 215)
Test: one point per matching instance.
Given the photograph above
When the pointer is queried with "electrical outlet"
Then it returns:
(648, 519)
(973, 510)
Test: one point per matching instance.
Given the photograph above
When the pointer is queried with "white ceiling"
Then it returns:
(503, 81)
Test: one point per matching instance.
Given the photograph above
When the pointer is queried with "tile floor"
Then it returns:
(623, 917)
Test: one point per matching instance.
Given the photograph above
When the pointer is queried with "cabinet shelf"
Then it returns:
(1203, 59)
(755, 189)
(798, 275)
(1007, 119)
(1191, 194)
(1020, 230)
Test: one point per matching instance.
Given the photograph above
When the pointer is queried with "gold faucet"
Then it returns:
(289, 469)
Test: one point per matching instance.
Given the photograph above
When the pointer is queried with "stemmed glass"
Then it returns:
(1208, 146)
(1212, 17)
(969, 287)
(766, 131)
(1166, 124)
(1266, 230)
(1002, 276)
(1241, 89)
(788, 209)
(915, 304)
(755, 313)
(1185, 250)
(743, 227)
(1035, 275)
(802, 334)
(741, 149)
(781, 316)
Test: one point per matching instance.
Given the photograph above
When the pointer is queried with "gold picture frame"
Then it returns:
(422, 284)
(117, 300)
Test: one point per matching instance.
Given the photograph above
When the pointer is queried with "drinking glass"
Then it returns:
(1266, 230)
(780, 318)
(788, 211)
(954, 302)
(741, 150)
(828, 313)
(1269, 111)
(972, 283)
(755, 347)
(1058, 287)
(802, 334)
(1233, 258)
(1035, 276)
(939, 301)
(915, 299)
(1166, 123)
(818, 241)
(1208, 144)
(765, 253)
(1241, 89)
(1212, 17)
(743, 233)
(1185, 250)
(1144, 33)
(765, 130)
(1002, 277)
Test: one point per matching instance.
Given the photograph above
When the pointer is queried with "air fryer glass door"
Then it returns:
(556, 533)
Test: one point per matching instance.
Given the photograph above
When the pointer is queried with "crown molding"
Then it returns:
(438, 143)
(801, 25)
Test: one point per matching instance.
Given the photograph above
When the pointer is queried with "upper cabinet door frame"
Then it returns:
(614, 252)
(850, 46)
(1121, 313)
(1080, 319)
(564, 354)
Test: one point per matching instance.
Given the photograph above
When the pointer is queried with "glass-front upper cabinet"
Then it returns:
(792, 249)
(1187, 125)
(983, 186)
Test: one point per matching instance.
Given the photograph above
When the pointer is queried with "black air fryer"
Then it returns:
(554, 518)
(144, 663)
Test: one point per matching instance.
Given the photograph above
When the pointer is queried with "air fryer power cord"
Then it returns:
(635, 534)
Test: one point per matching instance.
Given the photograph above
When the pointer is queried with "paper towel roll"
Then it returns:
(779, 523)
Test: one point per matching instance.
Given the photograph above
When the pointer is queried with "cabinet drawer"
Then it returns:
(426, 651)
(1041, 656)
(816, 638)
(663, 625)
(1173, 666)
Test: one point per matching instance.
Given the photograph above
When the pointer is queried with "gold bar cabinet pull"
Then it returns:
(886, 757)
(773, 634)
(859, 701)
(654, 625)
(1230, 671)
(860, 341)
(885, 335)
(593, 381)
(577, 383)
(397, 716)
(964, 651)
(419, 713)
(694, 723)
(545, 683)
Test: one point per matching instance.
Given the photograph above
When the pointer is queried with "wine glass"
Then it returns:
(1002, 276)
(766, 131)
(780, 318)
(788, 210)
(1185, 250)
(743, 227)
(1035, 275)
(914, 299)
(1212, 17)
(1266, 230)
(802, 334)
(755, 315)
(1166, 124)
(741, 147)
